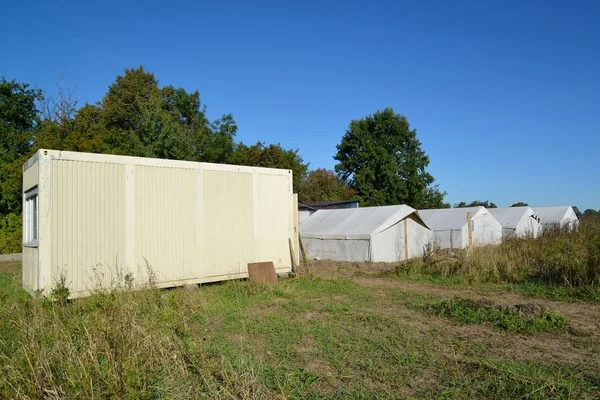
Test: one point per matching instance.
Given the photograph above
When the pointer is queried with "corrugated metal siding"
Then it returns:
(197, 224)
(165, 230)
(273, 219)
(87, 214)
(200, 224)
(30, 269)
(228, 223)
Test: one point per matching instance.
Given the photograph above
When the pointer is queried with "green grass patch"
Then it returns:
(500, 379)
(534, 288)
(521, 318)
(304, 338)
(587, 293)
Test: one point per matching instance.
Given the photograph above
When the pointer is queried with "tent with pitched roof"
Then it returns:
(451, 230)
(517, 221)
(386, 234)
(562, 216)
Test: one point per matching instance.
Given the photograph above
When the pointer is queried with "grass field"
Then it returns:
(336, 331)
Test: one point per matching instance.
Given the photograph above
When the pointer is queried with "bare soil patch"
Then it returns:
(338, 269)
(10, 266)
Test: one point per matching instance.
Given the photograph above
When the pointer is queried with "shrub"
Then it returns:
(569, 256)
(10, 233)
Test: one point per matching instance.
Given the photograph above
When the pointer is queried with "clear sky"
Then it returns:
(505, 96)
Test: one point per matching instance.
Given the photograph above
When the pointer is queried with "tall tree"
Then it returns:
(18, 118)
(323, 185)
(143, 119)
(381, 158)
(477, 203)
(18, 125)
(434, 198)
(273, 156)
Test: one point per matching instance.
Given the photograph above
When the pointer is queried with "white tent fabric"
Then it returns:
(517, 221)
(450, 227)
(562, 216)
(365, 234)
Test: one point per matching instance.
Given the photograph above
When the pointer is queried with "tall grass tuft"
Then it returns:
(121, 343)
(561, 255)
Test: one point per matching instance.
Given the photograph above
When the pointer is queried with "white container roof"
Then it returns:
(509, 217)
(449, 218)
(353, 223)
(146, 161)
(551, 215)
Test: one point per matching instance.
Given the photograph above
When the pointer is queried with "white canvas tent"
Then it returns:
(517, 221)
(386, 234)
(562, 216)
(451, 230)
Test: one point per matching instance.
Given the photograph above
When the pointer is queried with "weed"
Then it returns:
(60, 292)
(561, 263)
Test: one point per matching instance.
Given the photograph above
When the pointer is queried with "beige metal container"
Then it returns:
(98, 219)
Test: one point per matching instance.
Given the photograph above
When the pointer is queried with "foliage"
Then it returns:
(273, 156)
(433, 198)
(18, 123)
(18, 117)
(18, 126)
(10, 233)
(323, 185)
(381, 158)
(591, 213)
(60, 292)
(476, 203)
(520, 204)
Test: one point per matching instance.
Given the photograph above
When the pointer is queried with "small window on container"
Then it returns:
(30, 227)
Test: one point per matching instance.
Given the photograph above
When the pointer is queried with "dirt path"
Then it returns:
(11, 257)
(583, 318)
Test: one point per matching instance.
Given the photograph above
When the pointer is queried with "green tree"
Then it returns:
(122, 105)
(87, 132)
(273, 156)
(520, 204)
(434, 198)
(18, 125)
(591, 213)
(381, 158)
(477, 203)
(323, 185)
(18, 119)
(142, 119)
(215, 143)
(577, 212)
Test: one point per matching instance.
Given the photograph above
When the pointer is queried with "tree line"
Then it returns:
(379, 158)
(136, 117)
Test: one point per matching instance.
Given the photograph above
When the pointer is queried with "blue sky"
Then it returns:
(505, 96)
